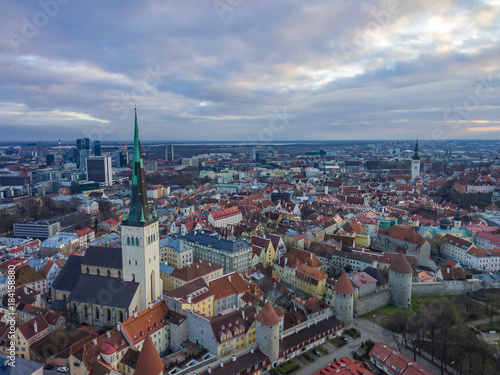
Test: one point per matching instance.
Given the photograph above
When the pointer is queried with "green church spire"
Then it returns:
(415, 155)
(139, 206)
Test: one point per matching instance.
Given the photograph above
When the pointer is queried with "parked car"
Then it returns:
(63, 369)
(316, 352)
(368, 366)
(48, 367)
(355, 354)
(343, 338)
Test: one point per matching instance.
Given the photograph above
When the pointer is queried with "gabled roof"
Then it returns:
(28, 329)
(228, 285)
(88, 287)
(108, 257)
(26, 274)
(69, 275)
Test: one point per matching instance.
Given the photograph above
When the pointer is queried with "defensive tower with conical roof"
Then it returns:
(343, 304)
(140, 236)
(149, 361)
(267, 331)
(400, 275)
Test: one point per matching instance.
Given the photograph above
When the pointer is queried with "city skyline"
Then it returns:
(250, 71)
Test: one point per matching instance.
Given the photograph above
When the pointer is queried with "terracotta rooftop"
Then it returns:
(267, 316)
(344, 286)
(401, 265)
(149, 362)
(195, 270)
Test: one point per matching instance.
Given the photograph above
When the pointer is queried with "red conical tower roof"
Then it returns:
(401, 265)
(267, 316)
(344, 286)
(149, 361)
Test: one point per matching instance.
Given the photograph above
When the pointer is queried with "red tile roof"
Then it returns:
(267, 316)
(401, 265)
(149, 362)
(344, 286)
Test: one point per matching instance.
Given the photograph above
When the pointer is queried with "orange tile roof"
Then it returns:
(149, 361)
(267, 316)
(147, 322)
(228, 285)
(344, 286)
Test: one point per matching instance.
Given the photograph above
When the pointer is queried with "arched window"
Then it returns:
(97, 313)
(109, 273)
(137, 241)
(74, 308)
(98, 271)
(128, 241)
(109, 315)
(121, 316)
(119, 274)
(85, 311)
(88, 271)
(133, 277)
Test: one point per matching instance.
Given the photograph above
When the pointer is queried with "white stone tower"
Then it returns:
(457, 220)
(415, 163)
(343, 305)
(140, 237)
(400, 275)
(267, 330)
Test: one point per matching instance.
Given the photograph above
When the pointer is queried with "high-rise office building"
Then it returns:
(83, 144)
(169, 152)
(97, 148)
(99, 170)
(121, 158)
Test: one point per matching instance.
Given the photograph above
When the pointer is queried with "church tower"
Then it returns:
(415, 163)
(140, 237)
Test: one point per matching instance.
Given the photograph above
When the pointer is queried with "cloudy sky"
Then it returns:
(250, 70)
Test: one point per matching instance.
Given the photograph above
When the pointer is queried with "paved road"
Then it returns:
(308, 368)
(368, 330)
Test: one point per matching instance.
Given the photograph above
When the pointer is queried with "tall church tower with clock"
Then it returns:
(415, 163)
(140, 236)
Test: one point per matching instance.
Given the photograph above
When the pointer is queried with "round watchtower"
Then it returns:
(267, 330)
(344, 300)
(400, 275)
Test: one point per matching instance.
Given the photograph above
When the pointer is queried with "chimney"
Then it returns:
(229, 278)
(221, 364)
(134, 314)
(35, 327)
(191, 308)
(286, 260)
(209, 370)
(119, 327)
(243, 314)
(189, 299)
(252, 350)
(108, 333)
(25, 290)
(150, 305)
(234, 358)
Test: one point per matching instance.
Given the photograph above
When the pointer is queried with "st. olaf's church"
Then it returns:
(109, 284)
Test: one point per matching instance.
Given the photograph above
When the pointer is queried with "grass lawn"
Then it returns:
(322, 349)
(337, 342)
(287, 367)
(420, 303)
(309, 356)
